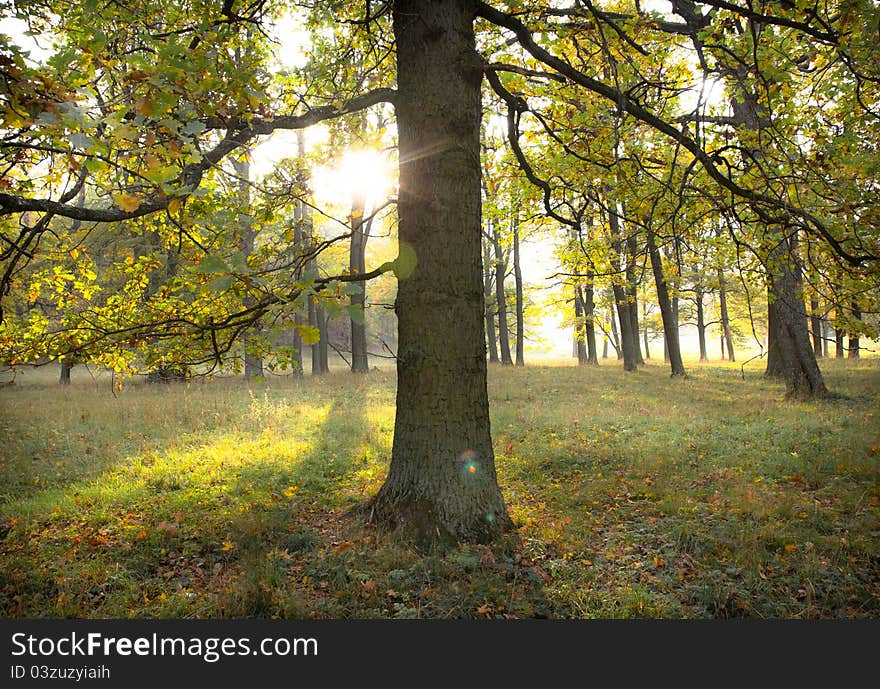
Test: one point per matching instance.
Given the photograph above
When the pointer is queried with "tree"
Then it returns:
(670, 325)
(147, 143)
(442, 484)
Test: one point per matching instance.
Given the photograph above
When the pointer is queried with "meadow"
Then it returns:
(633, 495)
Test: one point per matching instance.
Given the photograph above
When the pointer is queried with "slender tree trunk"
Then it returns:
(299, 220)
(824, 338)
(645, 337)
(580, 343)
(838, 343)
(628, 340)
(357, 300)
(324, 342)
(520, 306)
(253, 364)
(441, 486)
(618, 349)
(501, 300)
(670, 325)
(721, 342)
(589, 303)
(701, 322)
(604, 346)
(854, 334)
(488, 292)
(725, 318)
(632, 250)
(816, 326)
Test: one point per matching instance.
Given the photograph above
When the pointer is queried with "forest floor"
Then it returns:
(633, 495)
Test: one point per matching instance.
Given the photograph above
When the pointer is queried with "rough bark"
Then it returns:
(803, 379)
(441, 486)
(775, 368)
(838, 343)
(670, 324)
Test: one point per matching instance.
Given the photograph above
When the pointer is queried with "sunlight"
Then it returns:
(360, 172)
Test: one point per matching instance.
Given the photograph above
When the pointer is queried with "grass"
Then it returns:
(634, 496)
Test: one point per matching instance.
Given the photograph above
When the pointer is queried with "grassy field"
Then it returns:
(634, 496)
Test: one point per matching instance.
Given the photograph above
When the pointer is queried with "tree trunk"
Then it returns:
(441, 486)
(775, 368)
(628, 340)
(615, 342)
(645, 337)
(816, 326)
(318, 320)
(825, 338)
(66, 366)
(725, 318)
(253, 364)
(604, 346)
(854, 334)
(299, 234)
(670, 324)
(501, 301)
(632, 294)
(589, 303)
(488, 291)
(838, 343)
(701, 322)
(520, 314)
(357, 266)
(803, 379)
(579, 333)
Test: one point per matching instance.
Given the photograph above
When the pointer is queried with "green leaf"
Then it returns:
(221, 284)
(356, 313)
(212, 264)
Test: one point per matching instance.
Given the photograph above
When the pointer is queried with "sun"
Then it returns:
(364, 173)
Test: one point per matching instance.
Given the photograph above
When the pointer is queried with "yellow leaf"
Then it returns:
(789, 547)
(227, 545)
(174, 206)
(290, 491)
(127, 202)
